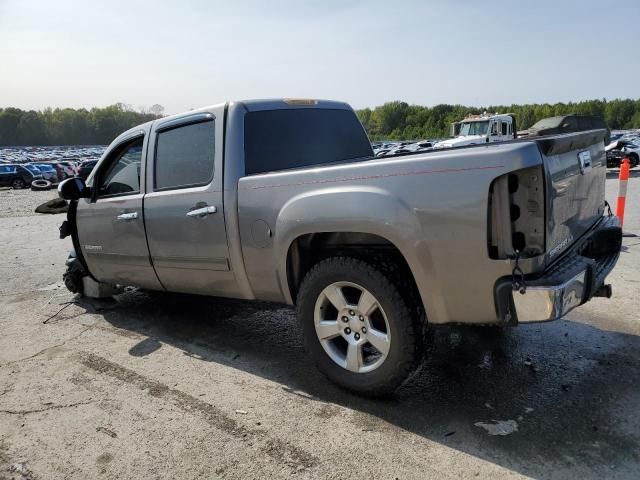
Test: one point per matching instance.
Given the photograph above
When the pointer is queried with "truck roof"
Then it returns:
(280, 103)
(484, 116)
(251, 105)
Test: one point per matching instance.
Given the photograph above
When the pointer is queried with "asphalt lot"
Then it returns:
(167, 386)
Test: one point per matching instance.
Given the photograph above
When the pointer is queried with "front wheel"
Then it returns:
(358, 326)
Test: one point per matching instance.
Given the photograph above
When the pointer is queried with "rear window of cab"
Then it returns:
(292, 138)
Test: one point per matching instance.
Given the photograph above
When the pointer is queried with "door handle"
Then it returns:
(202, 212)
(127, 216)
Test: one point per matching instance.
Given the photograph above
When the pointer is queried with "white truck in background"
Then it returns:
(484, 128)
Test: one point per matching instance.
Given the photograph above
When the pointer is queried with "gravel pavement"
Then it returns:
(22, 203)
(172, 386)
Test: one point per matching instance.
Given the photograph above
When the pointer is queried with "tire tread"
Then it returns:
(385, 275)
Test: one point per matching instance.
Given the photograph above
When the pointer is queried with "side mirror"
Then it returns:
(73, 189)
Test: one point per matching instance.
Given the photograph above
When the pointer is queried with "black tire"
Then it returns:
(633, 160)
(72, 277)
(406, 328)
(57, 205)
(18, 184)
(40, 185)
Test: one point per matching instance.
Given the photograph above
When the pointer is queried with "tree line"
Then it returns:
(401, 121)
(393, 120)
(68, 126)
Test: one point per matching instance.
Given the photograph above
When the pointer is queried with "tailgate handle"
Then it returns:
(202, 212)
(127, 216)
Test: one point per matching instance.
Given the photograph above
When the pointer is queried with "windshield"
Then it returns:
(33, 168)
(46, 168)
(474, 128)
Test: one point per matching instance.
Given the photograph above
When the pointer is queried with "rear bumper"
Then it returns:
(568, 283)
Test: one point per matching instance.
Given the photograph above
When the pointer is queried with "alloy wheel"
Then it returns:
(352, 327)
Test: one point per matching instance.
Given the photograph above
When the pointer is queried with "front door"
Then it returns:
(183, 208)
(110, 224)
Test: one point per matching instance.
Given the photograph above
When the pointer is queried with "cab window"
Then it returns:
(505, 128)
(184, 156)
(121, 175)
(288, 138)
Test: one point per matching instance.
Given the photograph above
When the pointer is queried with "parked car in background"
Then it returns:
(566, 124)
(33, 169)
(60, 170)
(86, 168)
(17, 176)
(619, 149)
(390, 149)
(48, 172)
(70, 168)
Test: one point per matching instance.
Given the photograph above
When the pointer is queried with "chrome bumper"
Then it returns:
(540, 304)
(576, 277)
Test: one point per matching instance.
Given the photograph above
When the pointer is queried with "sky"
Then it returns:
(191, 53)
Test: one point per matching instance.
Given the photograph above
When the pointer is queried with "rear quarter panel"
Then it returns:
(432, 207)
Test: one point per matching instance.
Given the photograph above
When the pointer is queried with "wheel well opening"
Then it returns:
(307, 250)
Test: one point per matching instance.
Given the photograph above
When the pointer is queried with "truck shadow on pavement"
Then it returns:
(569, 388)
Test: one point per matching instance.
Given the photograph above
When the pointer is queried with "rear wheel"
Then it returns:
(633, 160)
(358, 326)
(18, 183)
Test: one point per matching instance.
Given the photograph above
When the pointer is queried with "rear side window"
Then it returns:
(184, 156)
(291, 138)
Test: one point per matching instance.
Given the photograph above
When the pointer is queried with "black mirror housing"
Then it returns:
(73, 189)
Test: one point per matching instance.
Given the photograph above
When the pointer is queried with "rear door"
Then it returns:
(110, 225)
(184, 211)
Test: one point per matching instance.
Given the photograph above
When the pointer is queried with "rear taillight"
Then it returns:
(516, 214)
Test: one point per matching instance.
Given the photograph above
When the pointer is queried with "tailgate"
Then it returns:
(575, 181)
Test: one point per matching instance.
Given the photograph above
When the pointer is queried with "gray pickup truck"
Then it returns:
(283, 201)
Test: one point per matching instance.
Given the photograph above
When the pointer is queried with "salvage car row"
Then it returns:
(491, 128)
(41, 176)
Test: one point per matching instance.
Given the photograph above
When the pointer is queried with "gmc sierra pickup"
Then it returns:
(283, 201)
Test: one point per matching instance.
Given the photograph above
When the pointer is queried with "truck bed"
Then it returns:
(433, 207)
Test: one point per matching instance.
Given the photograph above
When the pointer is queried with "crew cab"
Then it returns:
(284, 201)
